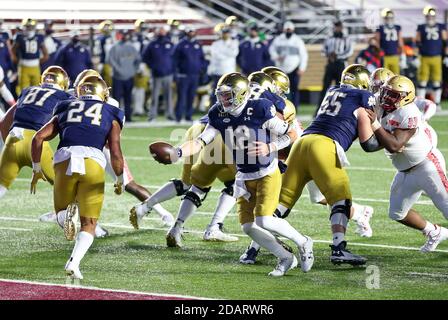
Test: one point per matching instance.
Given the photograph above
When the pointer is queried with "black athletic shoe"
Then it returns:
(340, 255)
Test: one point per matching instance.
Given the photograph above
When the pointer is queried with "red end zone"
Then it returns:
(23, 290)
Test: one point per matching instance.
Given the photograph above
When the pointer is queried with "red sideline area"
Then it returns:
(14, 290)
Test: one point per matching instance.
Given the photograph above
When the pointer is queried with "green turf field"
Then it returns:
(139, 260)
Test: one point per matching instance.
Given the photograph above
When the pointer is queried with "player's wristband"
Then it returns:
(376, 125)
(120, 179)
(37, 167)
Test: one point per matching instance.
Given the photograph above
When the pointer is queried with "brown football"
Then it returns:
(163, 152)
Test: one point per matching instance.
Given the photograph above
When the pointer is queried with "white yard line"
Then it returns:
(119, 225)
(425, 274)
(15, 229)
(103, 289)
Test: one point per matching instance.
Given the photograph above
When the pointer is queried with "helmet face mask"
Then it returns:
(396, 93)
(232, 92)
(390, 99)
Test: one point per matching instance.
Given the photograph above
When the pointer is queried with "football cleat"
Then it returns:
(100, 232)
(340, 255)
(48, 217)
(306, 255)
(72, 271)
(136, 214)
(214, 233)
(174, 238)
(168, 220)
(71, 222)
(363, 224)
(249, 256)
(434, 237)
(283, 266)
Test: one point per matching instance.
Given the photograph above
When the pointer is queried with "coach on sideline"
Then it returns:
(125, 62)
(337, 49)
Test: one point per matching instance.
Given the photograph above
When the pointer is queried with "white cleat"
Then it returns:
(434, 238)
(168, 220)
(283, 266)
(100, 232)
(306, 255)
(71, 222)
(136, 215)
(363, 224)
(48, 217)
(213, 233)
(174, 238)
(72, 271)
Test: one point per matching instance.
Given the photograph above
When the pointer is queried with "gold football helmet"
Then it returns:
(85, 73)
(387, 13)
(139, 24)
(263, 80)
(357, 76)
(429, 11)
(29, 23)
(106, 26)
(231, 20)
(55, 75)
(280, 78)
(232, 91)
(218, 28)
(378, 78)
(397, 92)
(93, 86)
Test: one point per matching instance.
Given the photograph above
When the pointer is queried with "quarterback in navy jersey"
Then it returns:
(320, 154)
(85, 125)
(246, 127)
(33, 110)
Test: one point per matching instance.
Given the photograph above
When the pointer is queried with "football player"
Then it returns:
(34, 108)
(84, 126)
(401, 132)
(103, 43)
(245, 126)
(141, 79)
(29, 52)
(4, 92)
(129, 183)
(320, 154)
(430, 39)
(391, 42)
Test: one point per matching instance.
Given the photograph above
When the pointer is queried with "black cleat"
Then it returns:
(340, 255)
(249, 256)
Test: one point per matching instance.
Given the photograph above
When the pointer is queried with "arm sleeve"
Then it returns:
(208, 134)
(276, 125)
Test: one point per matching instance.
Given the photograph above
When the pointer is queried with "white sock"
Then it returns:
(282, 209)
(166, 192)
(281, 227)
(438, 96)
(161, 211)
(265, 239)
(338, 219)
(428, 228)
(421, 92)
(338, 237)
(83, 242)
(60, 217)
(187, 207)
(225, 204)
(254, 245)
(358, 211)
(3, 191)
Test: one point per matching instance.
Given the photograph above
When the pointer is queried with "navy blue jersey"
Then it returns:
(204, 119)
(74, 58)
(431, 43)
(389, 39)
(35, 106)
(242, 131)
(86, 122)
(336, 116)
(104, 42)
(4, 36)
(29, 48)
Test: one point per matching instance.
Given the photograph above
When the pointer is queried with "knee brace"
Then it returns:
(228, 188)
(181, 187)
(196, 195)
(340, 212)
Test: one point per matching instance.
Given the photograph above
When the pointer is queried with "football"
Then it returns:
(163, 152)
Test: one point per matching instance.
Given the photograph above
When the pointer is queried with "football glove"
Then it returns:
(37, 175)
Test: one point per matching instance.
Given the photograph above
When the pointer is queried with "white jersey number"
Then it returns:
(332, 104)
(94, 112)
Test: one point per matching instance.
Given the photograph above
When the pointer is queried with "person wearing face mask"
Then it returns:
(125, 62)
(51, 43)
(189, 62)
(29, 52)
(337, 49)
(371, 57)
(431, 38)
(158, 55)
(73, 57)
(139, 40)
(388, 35)
(223, 53)
(253, 53)
(289, 54)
